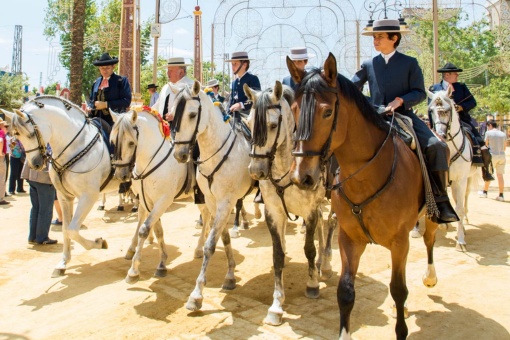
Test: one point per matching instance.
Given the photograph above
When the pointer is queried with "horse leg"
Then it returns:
(230, 280)
(459, 191)
(122, 201)
(398, 288)
(325, 268)
(103, 202)
(143, 232)
(257, 212)
(244, 218)
(67, 214)
(206, 224)
(220, 220)
(429, 238)
(350, 254)
(142, 215)
(158, 230)
(234, 232)
(135, 201)
(85, 204)
(275, 223)
(312, 285)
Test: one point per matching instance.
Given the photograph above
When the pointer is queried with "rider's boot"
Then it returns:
(486, 157)
(446, 212)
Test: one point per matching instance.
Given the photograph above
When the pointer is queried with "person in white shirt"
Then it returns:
(496, 140)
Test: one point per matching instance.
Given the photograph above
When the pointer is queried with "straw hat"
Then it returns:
(298, 53)
(177, 61)
(212, 82)
(3, 122)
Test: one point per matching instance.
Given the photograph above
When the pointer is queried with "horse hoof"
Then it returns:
(312, 292)
(326, 274)
(199, 253)
(132, 279)
(246, 225)
(101, 207)
(160, 272)
(150, 240)
(229, 284)
(303, 229)
(58, 272)
(129, 254)
(104, 244)
(193, 304)
(461, 247)
(134, 209)
(258, 214)
(120, 208)
(429, 282)
(443, 227)
(234, 233)
(273, 319)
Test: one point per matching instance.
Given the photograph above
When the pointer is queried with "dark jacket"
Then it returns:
(117, 94)
(401, 77)
(461, 96)
(289, 82)
(238, 95)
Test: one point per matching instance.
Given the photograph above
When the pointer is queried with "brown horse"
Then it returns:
(379, 192)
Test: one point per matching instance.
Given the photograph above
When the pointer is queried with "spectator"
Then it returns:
(154, 94)
(3, 164)
(17, 160)
(299, 56)
(496, 140)
(42, 194)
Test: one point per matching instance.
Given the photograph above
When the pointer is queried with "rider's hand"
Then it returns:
(397, 102)
(458, 108)
(235, 107)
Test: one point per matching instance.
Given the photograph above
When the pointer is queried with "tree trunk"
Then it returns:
(77, 37)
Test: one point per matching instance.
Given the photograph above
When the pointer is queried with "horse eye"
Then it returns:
(131, 143)
(193, 114)
(328, 113)
(273, 126)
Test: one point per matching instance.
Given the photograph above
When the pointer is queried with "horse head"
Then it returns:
(32, 131)
(442, 111)
(187, 111)
(124, 137)
(271, 124)
(316, 110)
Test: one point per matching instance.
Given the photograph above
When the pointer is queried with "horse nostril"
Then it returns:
(308, 181)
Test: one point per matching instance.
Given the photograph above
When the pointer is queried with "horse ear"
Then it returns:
(278, 90)
(114, 115)
(174, 89)
(296, 74)
(19, 113)
(430, 94)
(248, 92)
(134, 116)
(8, 115)
(330, 70)
(196, 88)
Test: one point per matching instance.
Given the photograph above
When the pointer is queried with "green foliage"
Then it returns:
(12, 91)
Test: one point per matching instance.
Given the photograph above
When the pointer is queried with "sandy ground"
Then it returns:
(92, 301)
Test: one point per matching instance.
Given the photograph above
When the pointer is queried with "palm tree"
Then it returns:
(76, 64)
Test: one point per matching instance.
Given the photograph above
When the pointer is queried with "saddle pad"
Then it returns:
(405, 123)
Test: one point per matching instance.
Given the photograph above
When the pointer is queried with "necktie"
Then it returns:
(104, 83)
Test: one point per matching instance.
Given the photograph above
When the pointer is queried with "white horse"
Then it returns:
(447, 124)
(222, 172)
(272, 126)
(81, 166)
(144, 155)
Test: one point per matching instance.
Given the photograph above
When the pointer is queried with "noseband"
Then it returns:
(117, 154)
(193, 139)
(41, 146)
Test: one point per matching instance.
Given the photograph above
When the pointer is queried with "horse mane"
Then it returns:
(313, 83)
(67, 103)
(180, 103)
(123, 125)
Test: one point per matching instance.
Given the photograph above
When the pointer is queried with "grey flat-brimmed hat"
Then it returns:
(385, 26)
(243, 55)
(298, 53)
(177, 61)
(449, 67)
(212, 82)
(105, 60)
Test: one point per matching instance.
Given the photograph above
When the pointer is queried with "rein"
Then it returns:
(451, 138)
(280, 190)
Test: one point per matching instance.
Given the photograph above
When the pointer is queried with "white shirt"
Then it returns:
(166, 91)
(387, 57)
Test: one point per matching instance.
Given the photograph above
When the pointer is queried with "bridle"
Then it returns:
(117, 153)
(41, 146)
(324, 152)
(193, 139)
(449, 137)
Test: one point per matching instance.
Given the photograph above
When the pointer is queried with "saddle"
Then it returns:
(104, 130)
(402, 126)
(475, 144)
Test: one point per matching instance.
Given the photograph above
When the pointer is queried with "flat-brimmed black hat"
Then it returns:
(105, 60)
(449, 67)
(152, 86)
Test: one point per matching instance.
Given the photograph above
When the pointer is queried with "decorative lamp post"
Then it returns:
(197, 67)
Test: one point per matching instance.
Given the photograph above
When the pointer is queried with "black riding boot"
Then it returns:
(487, 158)
(446, 212)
